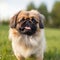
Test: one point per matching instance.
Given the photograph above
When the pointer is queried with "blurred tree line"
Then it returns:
(4, 22)
(52, 19)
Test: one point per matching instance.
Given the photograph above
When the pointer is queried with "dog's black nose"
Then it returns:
(27, 23)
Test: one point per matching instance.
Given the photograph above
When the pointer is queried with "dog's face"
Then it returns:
(26, 22)
(27, 26)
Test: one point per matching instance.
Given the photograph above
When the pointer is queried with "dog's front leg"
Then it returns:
(20, 58)
(40, 57)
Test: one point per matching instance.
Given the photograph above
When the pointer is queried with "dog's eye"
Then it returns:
(34, 21)
(22, 20)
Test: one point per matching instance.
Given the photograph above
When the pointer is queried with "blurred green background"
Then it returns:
(52, 32)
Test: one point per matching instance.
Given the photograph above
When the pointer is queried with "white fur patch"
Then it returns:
(34, 45)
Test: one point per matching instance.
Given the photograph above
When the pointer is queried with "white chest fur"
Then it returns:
(27, 46)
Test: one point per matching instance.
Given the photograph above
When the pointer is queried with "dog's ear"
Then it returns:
(41, 21)
(13, 20)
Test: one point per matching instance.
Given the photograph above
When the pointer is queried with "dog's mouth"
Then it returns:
(27, 30)
(24, 28)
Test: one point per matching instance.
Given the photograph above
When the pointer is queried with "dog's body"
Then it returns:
(30, 39)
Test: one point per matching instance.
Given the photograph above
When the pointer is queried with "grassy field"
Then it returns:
(52, 38)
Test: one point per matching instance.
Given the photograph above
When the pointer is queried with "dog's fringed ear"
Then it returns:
(13, 20)
(41, 23)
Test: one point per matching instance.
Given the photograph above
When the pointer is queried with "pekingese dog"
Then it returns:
(27, 34)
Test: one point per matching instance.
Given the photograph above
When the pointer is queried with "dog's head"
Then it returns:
(27, 22)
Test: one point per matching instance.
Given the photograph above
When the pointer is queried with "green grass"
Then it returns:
(52, 50)
(53, 44)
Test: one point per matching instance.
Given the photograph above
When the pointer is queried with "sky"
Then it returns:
(9, 7)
